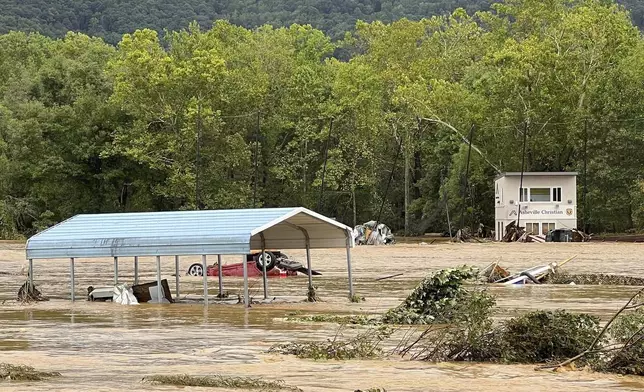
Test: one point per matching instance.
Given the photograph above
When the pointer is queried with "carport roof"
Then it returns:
(187, 233)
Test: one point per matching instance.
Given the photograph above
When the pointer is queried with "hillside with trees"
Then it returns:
(110, 19)
(230, 117)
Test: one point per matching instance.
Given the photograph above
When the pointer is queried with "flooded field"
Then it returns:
(108, 347)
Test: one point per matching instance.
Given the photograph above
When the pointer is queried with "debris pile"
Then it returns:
(494, 273)
(580, 236)
(29, 293)
(11, 372)
(536, 275)
(356, 319)
(514, 233)
(373, 233)
(466, 234)
(366, 345)
(593, 279)
(220, 381)
(552, 274)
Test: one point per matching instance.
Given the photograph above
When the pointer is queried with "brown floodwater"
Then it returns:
(108, 347)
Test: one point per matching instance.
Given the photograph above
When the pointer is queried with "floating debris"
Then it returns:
(593, 279)
(334, 318)
(366, 345)
(29, 293)
(11, 372)
(373, 233)
(221, 381)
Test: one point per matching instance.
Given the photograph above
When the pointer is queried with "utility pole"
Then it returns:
(585, 215)
(407, 185)
(257, 130)
(525, 139)
(467, 174)
(198, 163)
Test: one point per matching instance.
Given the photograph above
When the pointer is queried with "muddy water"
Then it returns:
(107, 347)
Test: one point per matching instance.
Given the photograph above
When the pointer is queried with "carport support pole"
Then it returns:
(31, 272)
(136, 269)
(176, 274)
(204, 263)
(221, 280)
(308, 261)
(349, 265)
(159, 293)
(71, 270)
(263, 256)
(116, 271)
(245, 267)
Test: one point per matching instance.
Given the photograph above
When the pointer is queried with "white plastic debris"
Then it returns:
(123, 295)
(153, 296)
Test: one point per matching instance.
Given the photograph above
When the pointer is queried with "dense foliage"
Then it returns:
(177, 122)
(110, 19)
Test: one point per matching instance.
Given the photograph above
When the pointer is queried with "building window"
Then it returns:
(539, 194)
(546, 227)
(523, 194)
(532, 228)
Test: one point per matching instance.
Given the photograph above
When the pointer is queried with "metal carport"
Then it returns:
(183, 233)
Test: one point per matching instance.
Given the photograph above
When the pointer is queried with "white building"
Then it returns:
(548, 201)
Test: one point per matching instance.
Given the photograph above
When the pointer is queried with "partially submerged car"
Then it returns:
(277, 265)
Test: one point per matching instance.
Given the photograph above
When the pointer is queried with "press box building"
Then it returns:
(547, 201)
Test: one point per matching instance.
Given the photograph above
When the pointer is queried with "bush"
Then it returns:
(440, 298)
(544, 336)
(535, 337)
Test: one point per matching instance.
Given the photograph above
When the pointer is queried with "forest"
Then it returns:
(372, 126)
(110, 19)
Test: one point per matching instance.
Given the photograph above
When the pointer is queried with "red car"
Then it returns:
(277, 265)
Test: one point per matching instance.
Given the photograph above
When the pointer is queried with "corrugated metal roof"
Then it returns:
(184, 233)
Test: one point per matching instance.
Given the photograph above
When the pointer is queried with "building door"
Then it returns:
(546, 227)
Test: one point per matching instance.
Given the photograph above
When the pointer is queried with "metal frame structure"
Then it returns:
(183, 233)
